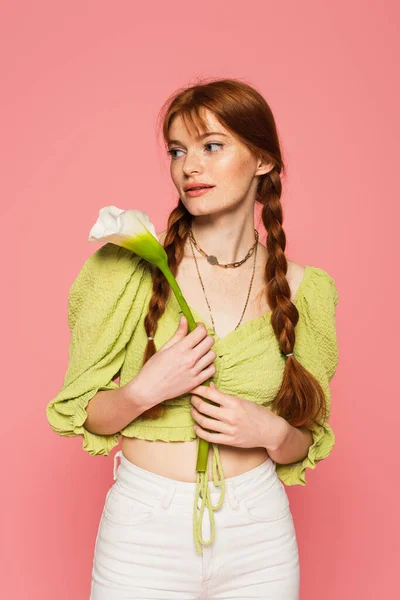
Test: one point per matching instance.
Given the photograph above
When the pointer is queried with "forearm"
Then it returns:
(294, 445)
(110, 411)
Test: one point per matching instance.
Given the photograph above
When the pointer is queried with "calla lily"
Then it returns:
(133, 230)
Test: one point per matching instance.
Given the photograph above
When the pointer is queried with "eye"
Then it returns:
(171, 152)
(213, 144)
(174, 156)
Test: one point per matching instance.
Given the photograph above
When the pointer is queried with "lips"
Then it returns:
(197, 187)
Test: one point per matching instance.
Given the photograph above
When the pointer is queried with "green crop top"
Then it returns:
(107, 304)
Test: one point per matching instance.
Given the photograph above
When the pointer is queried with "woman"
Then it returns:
(269, 345)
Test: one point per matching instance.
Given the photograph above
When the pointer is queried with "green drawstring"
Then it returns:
(203, 490)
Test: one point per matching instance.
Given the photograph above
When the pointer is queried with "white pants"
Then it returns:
(145, 545)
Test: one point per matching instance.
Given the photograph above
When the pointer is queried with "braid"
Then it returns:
(178, 227)
(244, 111)
(300, 393)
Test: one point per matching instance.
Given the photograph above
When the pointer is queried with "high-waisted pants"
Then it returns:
(145, 545)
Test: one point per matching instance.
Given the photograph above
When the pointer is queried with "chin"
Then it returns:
(196, 208)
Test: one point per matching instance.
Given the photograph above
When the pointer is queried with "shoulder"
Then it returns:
(296, 272)
(318, 289)
(109, 267)
(312, 283)
(112, 256)
(295, 275)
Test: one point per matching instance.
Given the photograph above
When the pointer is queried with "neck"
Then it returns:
(226, 240)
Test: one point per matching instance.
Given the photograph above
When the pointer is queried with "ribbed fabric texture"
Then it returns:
(107, 304)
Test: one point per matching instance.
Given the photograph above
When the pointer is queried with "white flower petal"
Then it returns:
(135, 222)
(114, 224)
(108, 216)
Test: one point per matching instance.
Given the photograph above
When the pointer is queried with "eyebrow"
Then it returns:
(200, 137)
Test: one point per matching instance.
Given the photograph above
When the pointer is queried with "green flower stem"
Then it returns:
(202, 452)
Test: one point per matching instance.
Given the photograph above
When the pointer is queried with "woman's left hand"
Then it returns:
(237, 421)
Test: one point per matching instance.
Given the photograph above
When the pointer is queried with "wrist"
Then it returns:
(282, 432)
(137, 394)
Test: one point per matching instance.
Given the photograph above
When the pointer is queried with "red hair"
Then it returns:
(243, 111)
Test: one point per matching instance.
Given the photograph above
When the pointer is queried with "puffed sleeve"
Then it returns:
(103, 311)
(316, 348)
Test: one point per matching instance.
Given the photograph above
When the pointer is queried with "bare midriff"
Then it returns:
(177, 460)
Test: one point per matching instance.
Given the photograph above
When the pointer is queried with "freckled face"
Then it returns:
(219, 159)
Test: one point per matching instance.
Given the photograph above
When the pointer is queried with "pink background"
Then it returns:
(82, 86)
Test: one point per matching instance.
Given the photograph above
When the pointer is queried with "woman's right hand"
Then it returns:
(181, 364)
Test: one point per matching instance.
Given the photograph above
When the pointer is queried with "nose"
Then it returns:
(192, 164)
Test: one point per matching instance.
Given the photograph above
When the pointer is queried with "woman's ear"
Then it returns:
(265, 165)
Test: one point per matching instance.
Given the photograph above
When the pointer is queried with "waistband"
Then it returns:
(156, 488)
